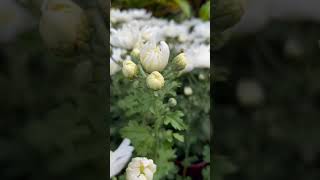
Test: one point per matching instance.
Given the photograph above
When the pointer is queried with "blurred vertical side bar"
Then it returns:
(53, 75)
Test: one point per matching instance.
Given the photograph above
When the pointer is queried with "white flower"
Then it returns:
(114, 67)
(63, 25)
(117, 54)
(13, 20)
(120, 157)
(202, 30)
(117, 15)
(140, 168)
(153, 57)
(126, 37)
(198, 56)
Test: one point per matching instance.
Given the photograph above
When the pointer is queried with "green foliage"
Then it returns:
(185, 7)
(141, 136)
(152, 125)
(204, 12)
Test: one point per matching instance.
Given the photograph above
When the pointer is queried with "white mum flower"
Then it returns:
(126, 37)
(140, 168)
(120, 157)
(117, 54)
(154, 57)
(138, 14)
(118, 16)
(114, 67)
(202, 30)
(198, 56)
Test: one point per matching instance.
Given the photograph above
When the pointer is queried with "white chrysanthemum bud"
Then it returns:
(172, 102)
(135, 53)
(155, 81)
(140, 168)
(187, 91)
(202, 76)
(153, 57)
(63, 26)
(120, 157)
(129, 69)
(180, 61)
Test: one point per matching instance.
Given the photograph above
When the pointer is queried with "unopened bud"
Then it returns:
(155, 81)
(129, 69)
(187, 91)
(180, 61)
(172, 102)
(135, 53)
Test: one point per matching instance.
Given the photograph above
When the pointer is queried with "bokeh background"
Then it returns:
(267, 92)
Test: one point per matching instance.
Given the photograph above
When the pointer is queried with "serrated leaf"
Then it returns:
(175, 120)
(178, 136)
(140, 136)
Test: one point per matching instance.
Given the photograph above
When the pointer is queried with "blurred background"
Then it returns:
(267, 91)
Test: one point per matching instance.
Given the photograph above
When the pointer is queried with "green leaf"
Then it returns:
(206, 153)
(140, 136)
(205, 11)
(185, 7)
(175, 120)
(165, 164)
(179, 137)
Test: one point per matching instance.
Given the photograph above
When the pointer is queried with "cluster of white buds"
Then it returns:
(154, 58)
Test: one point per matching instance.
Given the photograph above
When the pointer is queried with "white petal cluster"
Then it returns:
(134, 28)
(140, 168)
(120, 157)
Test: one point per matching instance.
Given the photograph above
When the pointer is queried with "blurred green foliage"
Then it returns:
(174, 9)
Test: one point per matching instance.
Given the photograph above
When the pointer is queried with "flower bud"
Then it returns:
(201, 76)
(63, 26)
(155, 81)
(135, 53)
(180, 61)
(154, 57)
(129, 69)
(172, 102)
(187, 91)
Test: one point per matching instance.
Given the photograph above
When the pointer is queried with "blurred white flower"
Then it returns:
(140, 168)
(117, 54)
(114, 67)
(154, 57)
(126, 37)
(202, 31)
(63, 25)
(127, 15)
(250, 92)
(13, 20)
(120, 157)
(198, 56)
(188, 91)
